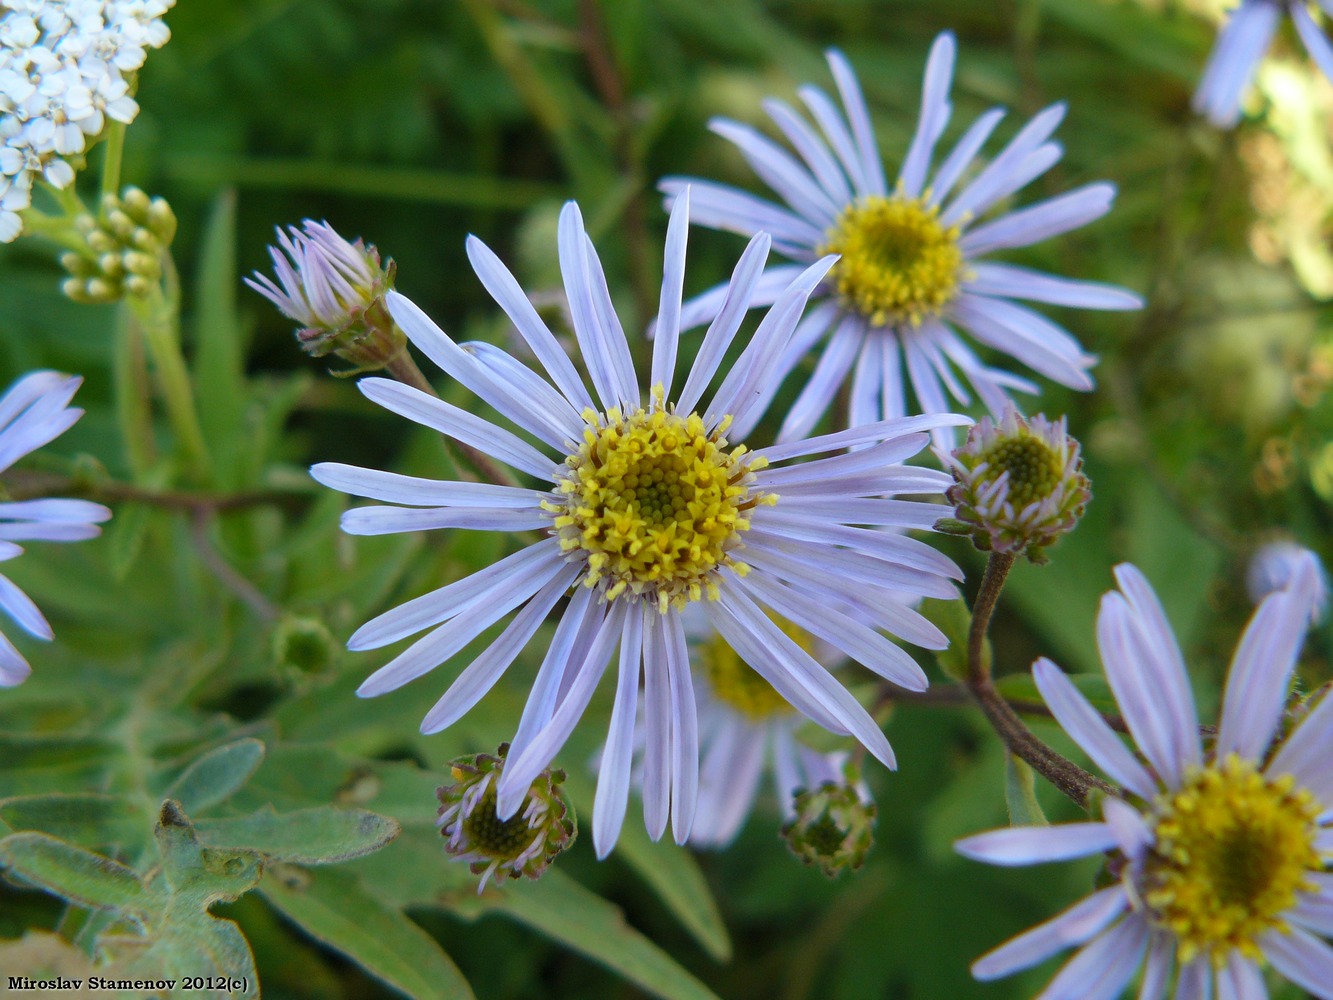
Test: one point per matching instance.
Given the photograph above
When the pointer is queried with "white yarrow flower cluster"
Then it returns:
(66, 66)
(34, 412)
(1219, 854)
(646, 507)
(912, 272)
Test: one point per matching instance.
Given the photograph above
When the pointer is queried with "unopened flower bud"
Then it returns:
(833, 828)
(124, 252)
(1276, 565)
(1018, 485)
(304, 645)
(335, 289)
(524, 844)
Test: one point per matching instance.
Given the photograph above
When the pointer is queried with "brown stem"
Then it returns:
(225, 572)
(1064, 774)
(405, 370)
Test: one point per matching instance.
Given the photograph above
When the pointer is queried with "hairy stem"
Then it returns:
(1064, 774)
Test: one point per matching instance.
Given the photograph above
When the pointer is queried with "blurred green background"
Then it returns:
(413, 123)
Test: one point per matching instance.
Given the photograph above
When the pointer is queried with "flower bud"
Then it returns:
(1018, 485)
(304, 645)
(524, 844)
(335, 290)
(1277, 564)
(123, 248)
(833, 828)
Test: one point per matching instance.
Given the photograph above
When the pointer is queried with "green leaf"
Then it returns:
(674, 875)
(88, 820)
(1020, 794)
(955, 620)
(198, 874)
(311, 836)
(337, 909)
(565, 911)
(125, 537)
(71, 872)
(216, 775)
(1021, 688)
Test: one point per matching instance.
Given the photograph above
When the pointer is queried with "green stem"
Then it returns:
(1063, 773)
(112, 158)
(133, 411)
(155, 316)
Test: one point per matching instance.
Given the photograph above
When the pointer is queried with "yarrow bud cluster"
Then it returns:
(66, 66)
(833, 827)
(335, 289)
(124, 247)
(524, 844)
(1018, 485)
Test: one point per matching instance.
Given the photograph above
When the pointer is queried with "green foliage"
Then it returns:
(188, 781)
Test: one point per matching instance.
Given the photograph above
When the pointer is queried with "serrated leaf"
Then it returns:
(88, 820)
(1020, 794)
(216, 775)
(337, 909)
(73, 873)
(565, 911)
(309, 836)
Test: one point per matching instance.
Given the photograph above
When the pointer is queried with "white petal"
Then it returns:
(1195, 981)
(509, 295)
(1131, 830)
(20, 607)
(812, 150)
(1240, 979)
(1260, 675)
(522, 769)
(859, 118)
(1307, 751)
(458, 424)
(14, 669)
(1240, 45)
(780, 171)
(1302, 958)
(657, 723)
(395, 488)
(1041, 221)
(481, 674)
(1089, 730)
(442, 604)
(1011, 281)
(934, 115)
(1031, 845)
(608, 810)
(1315, 42)
(962, 155)
(1158, 966)
(673, 285)
(550, 415)
(982, 191)
(1073, 926)
(1104, 967)
(867, 434)
(684, 730)
(720, 206)
(722, 330)
(826, 380)
(1314, 911)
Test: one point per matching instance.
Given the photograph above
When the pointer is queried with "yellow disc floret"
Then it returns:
(1233, 850)
(654, 503)
(900, 264)
(740, 686)
(1035, 468)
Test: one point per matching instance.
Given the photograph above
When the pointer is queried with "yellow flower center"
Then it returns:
(1233, 850)
(655, 504)
(739, 685)
(488, 834)
(899, 263)
(1035, 468)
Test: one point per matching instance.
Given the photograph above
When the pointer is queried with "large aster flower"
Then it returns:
(1242, 43)
(1220, 852)
(34, 412)
(912, 271)
(648, 506)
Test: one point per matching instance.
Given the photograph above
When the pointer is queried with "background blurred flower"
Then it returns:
(911, 267)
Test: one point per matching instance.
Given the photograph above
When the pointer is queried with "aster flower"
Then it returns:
(524, 844)
(34, 412)
(912, 271)
(1276, 565)
(1018, 485)
(335, 289)
(1218, 854)
(649, 504)
(66, 66)
(1242, 43)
